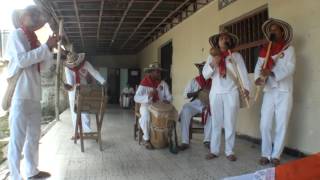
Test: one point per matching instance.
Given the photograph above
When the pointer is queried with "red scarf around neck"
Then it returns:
(76, 71)
(149, 82)
(203, 83)
(33, 40)
(275, 49)
(222, 64)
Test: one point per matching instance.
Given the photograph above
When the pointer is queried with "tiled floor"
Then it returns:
(122, 157)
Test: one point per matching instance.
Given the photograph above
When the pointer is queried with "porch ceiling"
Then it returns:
(117, 26)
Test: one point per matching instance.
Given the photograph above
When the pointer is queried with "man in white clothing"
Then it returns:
(195, 106)
(277, 98)
(126, 96)
(27, 55)
(77, 70)
(224, 94)
(151, 89)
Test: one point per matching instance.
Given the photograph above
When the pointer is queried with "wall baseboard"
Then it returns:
(287, 150)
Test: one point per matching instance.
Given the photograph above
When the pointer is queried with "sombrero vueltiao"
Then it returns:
(153, 66)
(74, 59)
(18, 14)
(287, 29)
(214, 40)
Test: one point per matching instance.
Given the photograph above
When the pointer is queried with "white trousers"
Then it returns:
(125, 101)
(85, 117)
(25, 131)
(276, 106)
(188, 111)
(144, 121)
(224, 108)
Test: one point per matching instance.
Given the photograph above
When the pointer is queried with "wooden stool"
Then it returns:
(92, 100)
(198, 129)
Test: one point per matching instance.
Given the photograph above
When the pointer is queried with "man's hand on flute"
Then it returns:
(259, 82)
(52, 42)
(245, 92)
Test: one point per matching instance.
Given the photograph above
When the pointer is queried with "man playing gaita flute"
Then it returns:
(28, 56)
(194, 107)
(224, 94)
(277, 98)
(151, 89)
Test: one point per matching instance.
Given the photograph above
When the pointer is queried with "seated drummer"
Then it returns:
(151, 89)
(195, 106)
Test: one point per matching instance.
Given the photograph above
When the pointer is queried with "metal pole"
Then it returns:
(57, 102)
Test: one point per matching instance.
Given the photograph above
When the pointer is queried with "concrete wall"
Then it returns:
(190, 44)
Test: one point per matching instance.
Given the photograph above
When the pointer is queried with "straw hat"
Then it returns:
(34, 10)
(153, 66)
(74, 59)
(287, 29)
(214, 40)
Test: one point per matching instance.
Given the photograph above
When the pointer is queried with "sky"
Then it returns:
(6, 9)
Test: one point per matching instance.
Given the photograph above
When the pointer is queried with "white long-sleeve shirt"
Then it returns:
(191, 87)
(283, 71)
(20, 56)
(142, 94)
(83, 71)
(227, 84)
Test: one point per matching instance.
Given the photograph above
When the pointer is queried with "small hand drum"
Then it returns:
(203, 96)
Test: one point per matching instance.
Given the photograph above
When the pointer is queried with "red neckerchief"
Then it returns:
(222, 64)
(204, 84)
(33, 40)
(275, 49)
(76, 70)
(149, 82)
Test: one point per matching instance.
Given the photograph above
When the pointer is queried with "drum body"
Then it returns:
(162, 119)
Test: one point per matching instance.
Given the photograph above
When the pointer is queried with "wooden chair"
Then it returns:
(137, 130)
(92, 100)
(199, 128)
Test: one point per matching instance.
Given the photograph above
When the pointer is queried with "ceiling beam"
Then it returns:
(100, 17)
(141, 22)
(163, 21)
(78, 19)
(121, 21)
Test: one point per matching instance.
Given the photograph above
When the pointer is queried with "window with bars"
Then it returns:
(248, 29)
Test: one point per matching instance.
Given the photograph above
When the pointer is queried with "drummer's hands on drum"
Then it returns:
(166, 101)
(153, 92)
